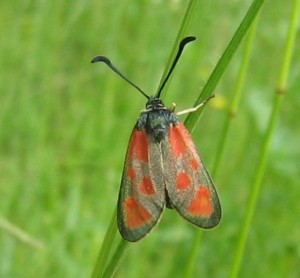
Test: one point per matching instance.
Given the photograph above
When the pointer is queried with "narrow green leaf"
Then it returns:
(214, 78)
(106, 247)
(222, 64)
(261, 165)
(187, 19)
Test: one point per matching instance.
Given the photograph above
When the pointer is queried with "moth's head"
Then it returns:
(154, 103)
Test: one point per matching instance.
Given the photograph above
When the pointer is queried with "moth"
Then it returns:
(163, 168)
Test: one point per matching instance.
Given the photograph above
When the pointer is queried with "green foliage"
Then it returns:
(65, 126)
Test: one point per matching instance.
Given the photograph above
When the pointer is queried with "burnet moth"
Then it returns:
(163, 168)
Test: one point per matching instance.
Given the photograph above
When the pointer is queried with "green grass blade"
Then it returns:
(234, 103)
(225, 132)
(189, 271)
(19, 234)
(255, 190)
(115, 260)
(222, 64)
(208, 89)
(106, 247)
(187, 19)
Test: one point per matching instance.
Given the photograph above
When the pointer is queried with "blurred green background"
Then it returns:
(65, 125)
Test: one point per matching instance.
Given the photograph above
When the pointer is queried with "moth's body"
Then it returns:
(156, 120)
(162, 168)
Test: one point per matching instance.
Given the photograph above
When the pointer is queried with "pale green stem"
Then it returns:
(279, 93)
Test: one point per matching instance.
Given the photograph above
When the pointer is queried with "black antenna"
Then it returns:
(180, 49)
(108, 62)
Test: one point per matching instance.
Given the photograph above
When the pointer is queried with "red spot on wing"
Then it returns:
(177, 134)
(136, 214)
(138, 145)
(195, 164)
(182, 181)
(131, 173)
(181, 142)
(146, 186)
(202, 204)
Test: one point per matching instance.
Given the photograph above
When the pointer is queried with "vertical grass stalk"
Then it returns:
(208, 90)
(106, 246)
(115, 260)
(234, 103)
(279, 93)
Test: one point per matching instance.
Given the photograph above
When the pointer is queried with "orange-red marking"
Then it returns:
(183, 181)
(176, 139)
(139, 146)
(146, 186)
(136, 215)
(131, 173)
(195, 164)
(202, 204)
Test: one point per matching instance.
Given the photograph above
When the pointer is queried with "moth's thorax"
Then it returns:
(156, 120)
